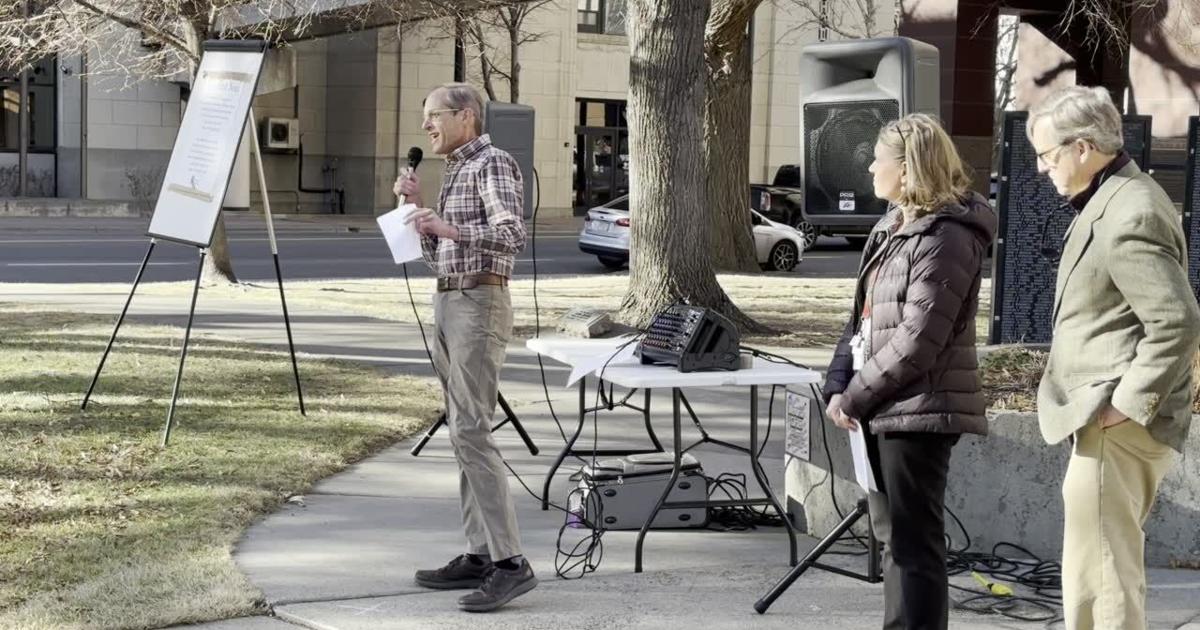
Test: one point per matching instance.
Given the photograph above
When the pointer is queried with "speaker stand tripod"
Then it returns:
(873, 576)
(509, 416)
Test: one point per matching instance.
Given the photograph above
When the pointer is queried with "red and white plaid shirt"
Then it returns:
(482, 193)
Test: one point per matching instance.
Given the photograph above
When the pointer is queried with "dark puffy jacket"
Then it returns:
(921, 371)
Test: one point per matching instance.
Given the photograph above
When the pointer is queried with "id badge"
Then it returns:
(858, 345)
(857, 352)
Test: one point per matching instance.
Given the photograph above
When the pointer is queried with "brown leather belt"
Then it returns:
(459, 283)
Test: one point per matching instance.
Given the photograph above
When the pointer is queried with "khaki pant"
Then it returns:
(472, 331)
(1108, 491)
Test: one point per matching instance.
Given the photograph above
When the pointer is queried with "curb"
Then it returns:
(54, 207)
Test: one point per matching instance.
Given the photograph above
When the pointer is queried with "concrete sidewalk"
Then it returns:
(344, 559)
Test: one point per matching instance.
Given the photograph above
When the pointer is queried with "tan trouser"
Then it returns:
(1110, 485)
(473, 327)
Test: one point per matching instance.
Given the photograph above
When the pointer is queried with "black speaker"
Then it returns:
(841, 147)
(511, 127)
(849, 90)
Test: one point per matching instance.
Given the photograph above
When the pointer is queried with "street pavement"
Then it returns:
(62, 250)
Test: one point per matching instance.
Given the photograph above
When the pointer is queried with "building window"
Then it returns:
(591, 16)
(602, 16)
(614, 17)
(41, 108)
(601, 113)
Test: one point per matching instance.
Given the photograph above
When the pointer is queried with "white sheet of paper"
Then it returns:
(402, 239)
(862, 464)
(624, 356)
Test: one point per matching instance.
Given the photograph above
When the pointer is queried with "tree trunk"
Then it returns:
(514, 57)
(727, 133)
(669, 259)
(485, 68)
(218, 266)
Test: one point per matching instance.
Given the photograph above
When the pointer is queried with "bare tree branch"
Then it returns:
(848, 19)
(1105, 22)
(495, 33)
(145, 27)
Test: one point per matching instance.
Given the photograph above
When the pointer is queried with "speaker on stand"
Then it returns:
(848, 91)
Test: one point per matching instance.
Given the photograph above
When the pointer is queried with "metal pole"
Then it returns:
(23, 128)
(83, 125)
(104, 357)
(266, 201)
(187, 335)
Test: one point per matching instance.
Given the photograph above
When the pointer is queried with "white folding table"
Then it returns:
(646, 377)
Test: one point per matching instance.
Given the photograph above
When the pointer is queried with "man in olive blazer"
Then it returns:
(1118, 380)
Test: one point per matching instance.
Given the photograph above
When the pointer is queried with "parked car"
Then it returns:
(855, 226)
(780, 204)
(779, 247)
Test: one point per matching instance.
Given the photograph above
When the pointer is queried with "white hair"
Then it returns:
(1080, 113)
(462, 96)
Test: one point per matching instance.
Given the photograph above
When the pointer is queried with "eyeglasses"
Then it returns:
(1042, 159)
(435, 114)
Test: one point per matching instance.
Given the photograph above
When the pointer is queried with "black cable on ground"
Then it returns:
(585, 554)
(822, 419)
(1043, 578)
(736, 518)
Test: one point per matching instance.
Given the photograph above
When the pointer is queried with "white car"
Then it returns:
(606, 235)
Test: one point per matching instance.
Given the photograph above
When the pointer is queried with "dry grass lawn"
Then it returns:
(810, 312)
(102, 528)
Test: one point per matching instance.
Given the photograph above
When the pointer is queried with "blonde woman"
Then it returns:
(905, 371)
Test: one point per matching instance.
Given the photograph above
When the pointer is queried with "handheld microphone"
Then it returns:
(415, 155)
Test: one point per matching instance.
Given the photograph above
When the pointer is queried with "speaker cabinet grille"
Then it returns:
(840, 142)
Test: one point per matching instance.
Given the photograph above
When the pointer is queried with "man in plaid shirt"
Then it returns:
(470, 240)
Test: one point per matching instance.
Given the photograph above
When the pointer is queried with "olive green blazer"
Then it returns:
(1126, 323)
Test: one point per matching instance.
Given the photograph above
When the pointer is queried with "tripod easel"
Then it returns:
(203, 251)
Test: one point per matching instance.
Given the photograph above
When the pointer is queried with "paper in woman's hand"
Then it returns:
(402, 238)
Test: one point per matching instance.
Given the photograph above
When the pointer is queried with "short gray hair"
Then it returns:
(1080, 113)
(463, 96)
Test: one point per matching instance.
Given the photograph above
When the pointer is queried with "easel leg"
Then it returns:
(266, 201)
(287, 324)
(187, 334)
(121, 318)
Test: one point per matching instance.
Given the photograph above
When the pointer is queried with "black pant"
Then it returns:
(909, 519)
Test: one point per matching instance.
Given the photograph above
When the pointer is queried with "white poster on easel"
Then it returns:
(189, 202)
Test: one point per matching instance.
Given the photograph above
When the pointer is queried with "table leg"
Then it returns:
(649, 427)
(677, 429)
(762, 477)
(566, 450)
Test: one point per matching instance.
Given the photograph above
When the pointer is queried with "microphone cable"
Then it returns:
(585, 554)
